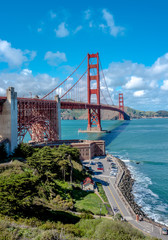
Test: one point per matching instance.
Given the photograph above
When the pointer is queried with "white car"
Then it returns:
(113, 174)
(114, 170)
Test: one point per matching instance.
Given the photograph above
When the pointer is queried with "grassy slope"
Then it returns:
(91, 202)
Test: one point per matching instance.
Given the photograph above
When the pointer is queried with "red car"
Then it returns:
(100, 168)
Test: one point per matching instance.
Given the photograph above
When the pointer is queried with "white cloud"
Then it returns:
(14, 57)
(161, 65)
(144, 87)
(165, 85)
(90, 24)
(78, 29)
(26, 72)
(2, 91)
(25, 82)
(62, 31)
(139, 93)
(110, 24)
(55, 58)
(52, 14)
(39, 29)
(87, 14)
(135, 83)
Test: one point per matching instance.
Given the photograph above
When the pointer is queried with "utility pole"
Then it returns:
(100, 209)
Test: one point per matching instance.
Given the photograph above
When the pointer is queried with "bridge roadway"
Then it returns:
(70, 105)
(117, 203)
(81, 105)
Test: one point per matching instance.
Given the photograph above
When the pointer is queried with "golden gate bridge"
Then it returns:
(39, 116)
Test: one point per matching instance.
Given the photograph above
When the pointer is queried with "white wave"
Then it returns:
(125, 160)
(144, 196)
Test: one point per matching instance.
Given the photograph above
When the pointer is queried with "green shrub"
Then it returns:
(101, 192)
(49, 235)
(86, 215)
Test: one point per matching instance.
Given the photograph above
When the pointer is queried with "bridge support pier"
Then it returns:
(8, 119)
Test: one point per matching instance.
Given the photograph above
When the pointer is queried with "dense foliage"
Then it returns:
(24, 185)
(54, 163)
(23, 150)
(17, 192)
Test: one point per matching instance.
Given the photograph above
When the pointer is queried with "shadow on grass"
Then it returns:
(45, 214)
(79, 194)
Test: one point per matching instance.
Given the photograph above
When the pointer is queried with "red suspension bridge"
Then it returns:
(39, 116)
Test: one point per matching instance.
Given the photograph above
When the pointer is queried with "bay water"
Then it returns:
(143, 145)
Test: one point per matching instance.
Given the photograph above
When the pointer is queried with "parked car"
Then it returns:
(92, 163)
(113, 174)
(87, 168)
(114, 169)
(164, 231)
(115, 209)
(96, 158)
(100, 167)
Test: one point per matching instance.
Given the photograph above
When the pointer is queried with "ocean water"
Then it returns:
(143, 145)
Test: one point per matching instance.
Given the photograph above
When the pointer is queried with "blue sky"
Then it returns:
(41, 42)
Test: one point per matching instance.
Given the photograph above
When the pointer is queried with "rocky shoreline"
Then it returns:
(125, 185)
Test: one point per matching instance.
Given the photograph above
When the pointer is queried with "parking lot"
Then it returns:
(105, 167)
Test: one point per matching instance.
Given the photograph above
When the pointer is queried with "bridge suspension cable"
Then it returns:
(101, 90)
(65, 79)
(103, 97)
(106, 83)
(74, 84)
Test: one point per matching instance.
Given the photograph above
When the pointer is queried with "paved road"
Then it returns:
(117, 203)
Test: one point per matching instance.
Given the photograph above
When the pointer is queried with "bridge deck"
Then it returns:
(68, 105)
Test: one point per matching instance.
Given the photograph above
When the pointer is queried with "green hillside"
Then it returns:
(111, 115)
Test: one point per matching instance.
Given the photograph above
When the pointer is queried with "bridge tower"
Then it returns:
(121, 106)
(93, 79)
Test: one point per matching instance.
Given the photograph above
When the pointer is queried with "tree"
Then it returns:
(64, 164)
(69, 158)
(44, 162)
(23, 150)
(17, 192)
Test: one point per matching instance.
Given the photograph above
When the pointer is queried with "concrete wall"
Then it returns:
(8, 119)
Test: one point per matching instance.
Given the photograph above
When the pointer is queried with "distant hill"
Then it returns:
(111, 115)
(162, 113)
